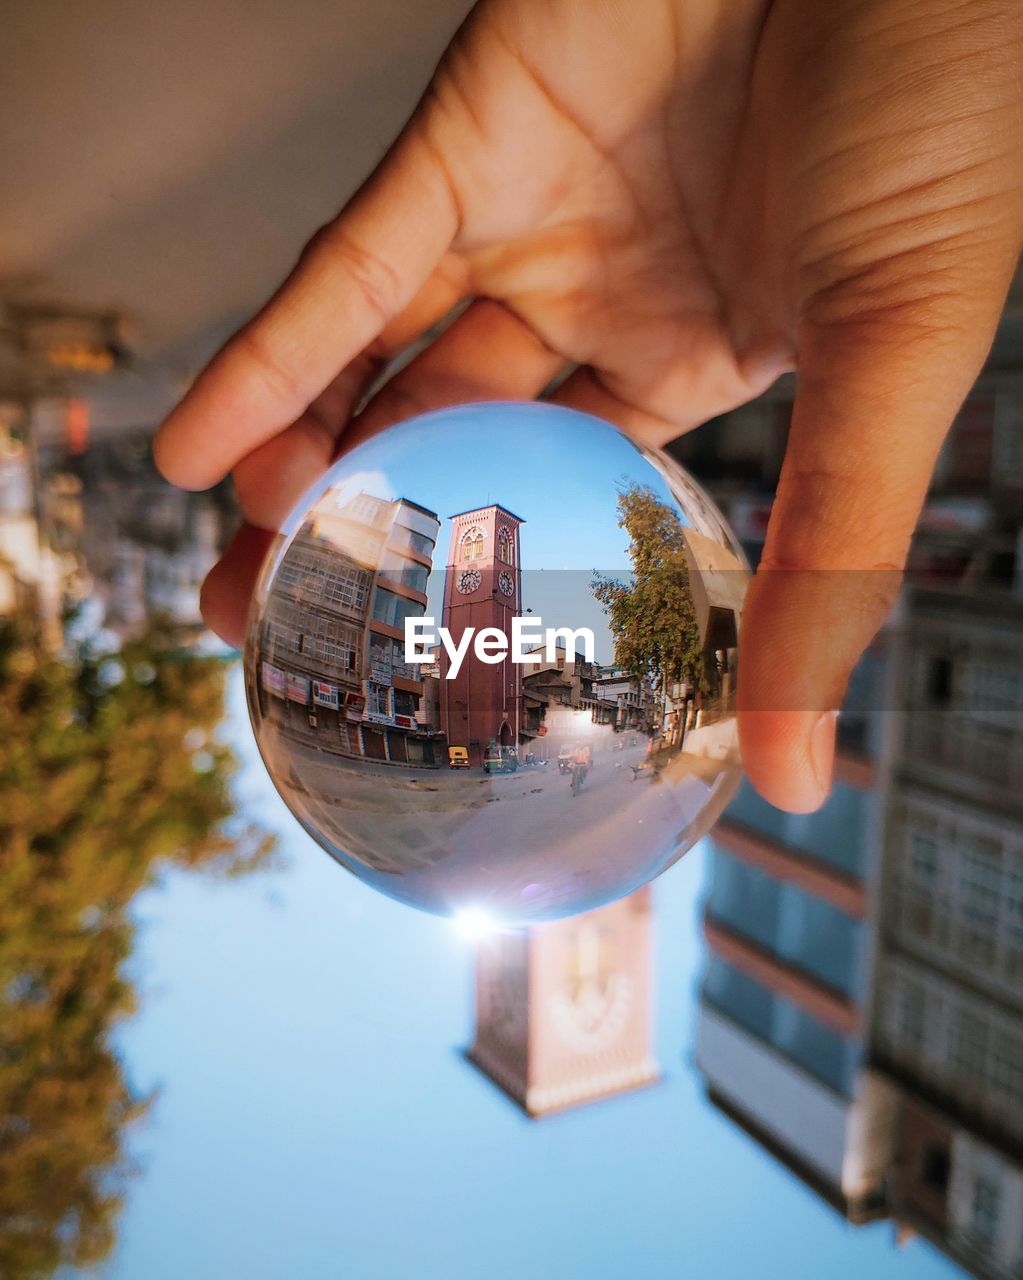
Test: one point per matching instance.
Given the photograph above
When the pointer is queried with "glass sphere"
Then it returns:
(491, 662)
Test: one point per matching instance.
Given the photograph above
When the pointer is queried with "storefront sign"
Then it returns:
(405, 722)
(325, 695)
(380, 664)
(355, 705)
(298, 688)
(273, 679)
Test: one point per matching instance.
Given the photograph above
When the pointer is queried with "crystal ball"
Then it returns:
(491, 662)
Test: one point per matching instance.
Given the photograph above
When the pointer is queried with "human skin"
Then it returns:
(684, 198)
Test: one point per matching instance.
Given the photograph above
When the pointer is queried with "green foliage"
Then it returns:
(99, 786)
(651, 617)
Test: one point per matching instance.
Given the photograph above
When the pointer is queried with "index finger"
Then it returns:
(354, 276)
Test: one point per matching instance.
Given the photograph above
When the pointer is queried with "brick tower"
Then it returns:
(564, 1011)
(482, 588)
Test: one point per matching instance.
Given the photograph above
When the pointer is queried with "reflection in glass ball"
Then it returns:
(491, 662)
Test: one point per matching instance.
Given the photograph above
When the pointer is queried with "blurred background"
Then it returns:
(801, 1053)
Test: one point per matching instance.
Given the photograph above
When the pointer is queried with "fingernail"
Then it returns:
(822, 750)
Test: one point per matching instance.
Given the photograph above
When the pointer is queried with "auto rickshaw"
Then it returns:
(498, 759)
(458, 757)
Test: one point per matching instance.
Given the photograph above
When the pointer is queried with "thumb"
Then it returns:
(875, 400)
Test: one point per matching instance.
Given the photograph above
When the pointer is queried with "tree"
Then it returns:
(108, 770)
(652, 618)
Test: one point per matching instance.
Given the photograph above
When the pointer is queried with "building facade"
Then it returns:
(334, 673)
(782, 1030)
(564, 1010)
(900, 1095)
(948, 1020)
(482, 588)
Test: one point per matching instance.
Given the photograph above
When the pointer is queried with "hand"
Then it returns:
(685, 198)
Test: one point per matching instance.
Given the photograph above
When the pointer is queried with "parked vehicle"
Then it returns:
(497, 759)
(458, 757)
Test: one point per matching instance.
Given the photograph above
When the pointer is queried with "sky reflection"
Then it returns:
(316, 1117)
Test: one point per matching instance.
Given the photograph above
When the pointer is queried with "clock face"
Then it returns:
(469, 581)
(590, 1009)
(506, 584)
(592, 1018)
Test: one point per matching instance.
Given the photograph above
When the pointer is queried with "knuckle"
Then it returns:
(280, 381)
(376, 279)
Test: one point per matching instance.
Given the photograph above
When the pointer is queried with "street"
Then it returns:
(518, 845)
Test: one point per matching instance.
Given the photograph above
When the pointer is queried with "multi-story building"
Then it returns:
(948, 1020)
(868, 1028)
(630, 704)
(862, 1007)
(782, 1035)
(334, 670)
(790, 913)
(568, 680)
(564, 1010)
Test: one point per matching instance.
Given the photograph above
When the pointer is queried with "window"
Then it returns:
(923, 858)
(934, 1168)
(1013, 902)
(394, 609)
(414, 577)
(472, 544)
(326, 644)
(786, 921)
(813, 1046)
(986, 1197)
(778, 1022)
(290, 573)
(415, 541)
(745, 899)
(1006, 1071)
(283, 639)
(296, 630)
(980, 882)
(380, 699)
(320, 576)
(739, 997)
(346, 586)
(998, 686)
(505, 545)
(405, 703)
(910, 1016)
(366, 509)
(939, 681)
(966, 1047)
(834, 833)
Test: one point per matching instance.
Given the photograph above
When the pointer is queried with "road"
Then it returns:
(516, 845)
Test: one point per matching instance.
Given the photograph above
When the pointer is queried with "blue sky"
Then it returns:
(315, 1118)
(554, 468)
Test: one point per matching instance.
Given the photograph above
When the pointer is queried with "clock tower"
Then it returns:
(564, 1010)
(482, 588)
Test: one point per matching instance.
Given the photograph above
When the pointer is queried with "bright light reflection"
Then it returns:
(474, 923)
